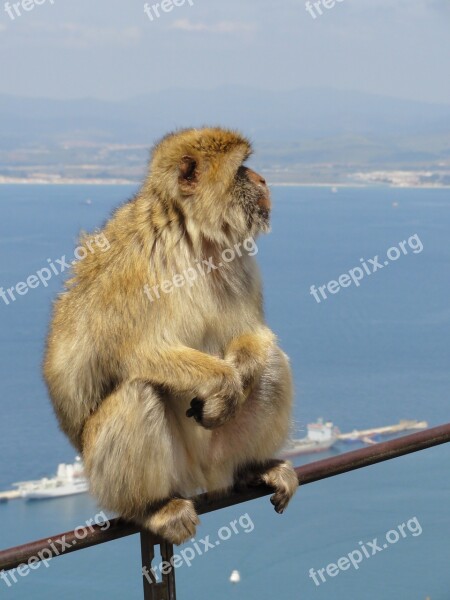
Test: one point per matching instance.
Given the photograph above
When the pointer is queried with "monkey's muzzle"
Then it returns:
(258, 180)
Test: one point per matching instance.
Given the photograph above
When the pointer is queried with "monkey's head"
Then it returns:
(201, 173)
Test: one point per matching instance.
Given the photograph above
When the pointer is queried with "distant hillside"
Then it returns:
(308, 134)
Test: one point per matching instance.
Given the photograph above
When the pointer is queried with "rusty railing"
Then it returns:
(165, 590)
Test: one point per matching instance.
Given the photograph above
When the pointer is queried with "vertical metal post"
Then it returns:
(164, 590)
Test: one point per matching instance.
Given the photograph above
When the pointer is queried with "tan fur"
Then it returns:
(123, 372)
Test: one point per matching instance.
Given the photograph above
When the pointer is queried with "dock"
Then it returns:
(405, 425)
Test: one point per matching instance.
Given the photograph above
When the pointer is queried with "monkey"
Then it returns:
(191, 392)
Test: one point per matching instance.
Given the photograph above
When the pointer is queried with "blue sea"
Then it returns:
(368, 355)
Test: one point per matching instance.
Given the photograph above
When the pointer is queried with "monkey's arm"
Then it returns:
(215, 384)
(249, 353)
(184, 369)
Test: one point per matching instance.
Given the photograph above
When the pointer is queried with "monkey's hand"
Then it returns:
(249, 353)
(217, 401)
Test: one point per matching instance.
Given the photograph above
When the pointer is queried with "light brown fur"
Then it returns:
(123, 372)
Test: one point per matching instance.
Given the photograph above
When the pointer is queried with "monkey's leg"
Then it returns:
(259, 430)
(249, 354)
(136, 464)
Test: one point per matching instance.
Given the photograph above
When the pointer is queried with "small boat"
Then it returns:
(235, 577)
(320, 437)
(69, 480)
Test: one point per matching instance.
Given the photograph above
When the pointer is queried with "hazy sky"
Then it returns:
(111, 49)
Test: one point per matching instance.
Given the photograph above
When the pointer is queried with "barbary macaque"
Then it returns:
(188, 392)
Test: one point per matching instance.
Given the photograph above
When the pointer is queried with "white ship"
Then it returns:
(69, 480)
(320, 437)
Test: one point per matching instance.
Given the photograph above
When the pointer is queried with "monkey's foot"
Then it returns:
(176, 521)
(284, 480)
(280, 476)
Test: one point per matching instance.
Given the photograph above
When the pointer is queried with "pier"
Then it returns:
(405, 425)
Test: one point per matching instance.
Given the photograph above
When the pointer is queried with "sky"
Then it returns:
(112, 49)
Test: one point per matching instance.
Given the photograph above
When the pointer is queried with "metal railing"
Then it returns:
(165, 590)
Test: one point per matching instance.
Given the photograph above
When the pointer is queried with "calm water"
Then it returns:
(366, 356)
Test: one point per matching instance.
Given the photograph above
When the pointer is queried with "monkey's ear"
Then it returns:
(188, 174)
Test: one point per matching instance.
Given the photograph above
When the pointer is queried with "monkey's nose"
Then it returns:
(254, 177)
(259, 181)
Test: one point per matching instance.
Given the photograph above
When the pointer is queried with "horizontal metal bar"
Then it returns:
(12, 558)
(322, 469)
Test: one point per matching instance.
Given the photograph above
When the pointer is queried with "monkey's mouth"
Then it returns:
(265, 203)
(264, 207)
(255, 203)
(264, 213)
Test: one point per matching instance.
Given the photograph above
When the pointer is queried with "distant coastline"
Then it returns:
(365, 185)
(120, 181)
(65, 181)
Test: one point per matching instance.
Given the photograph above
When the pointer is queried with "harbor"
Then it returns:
(320, 437)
